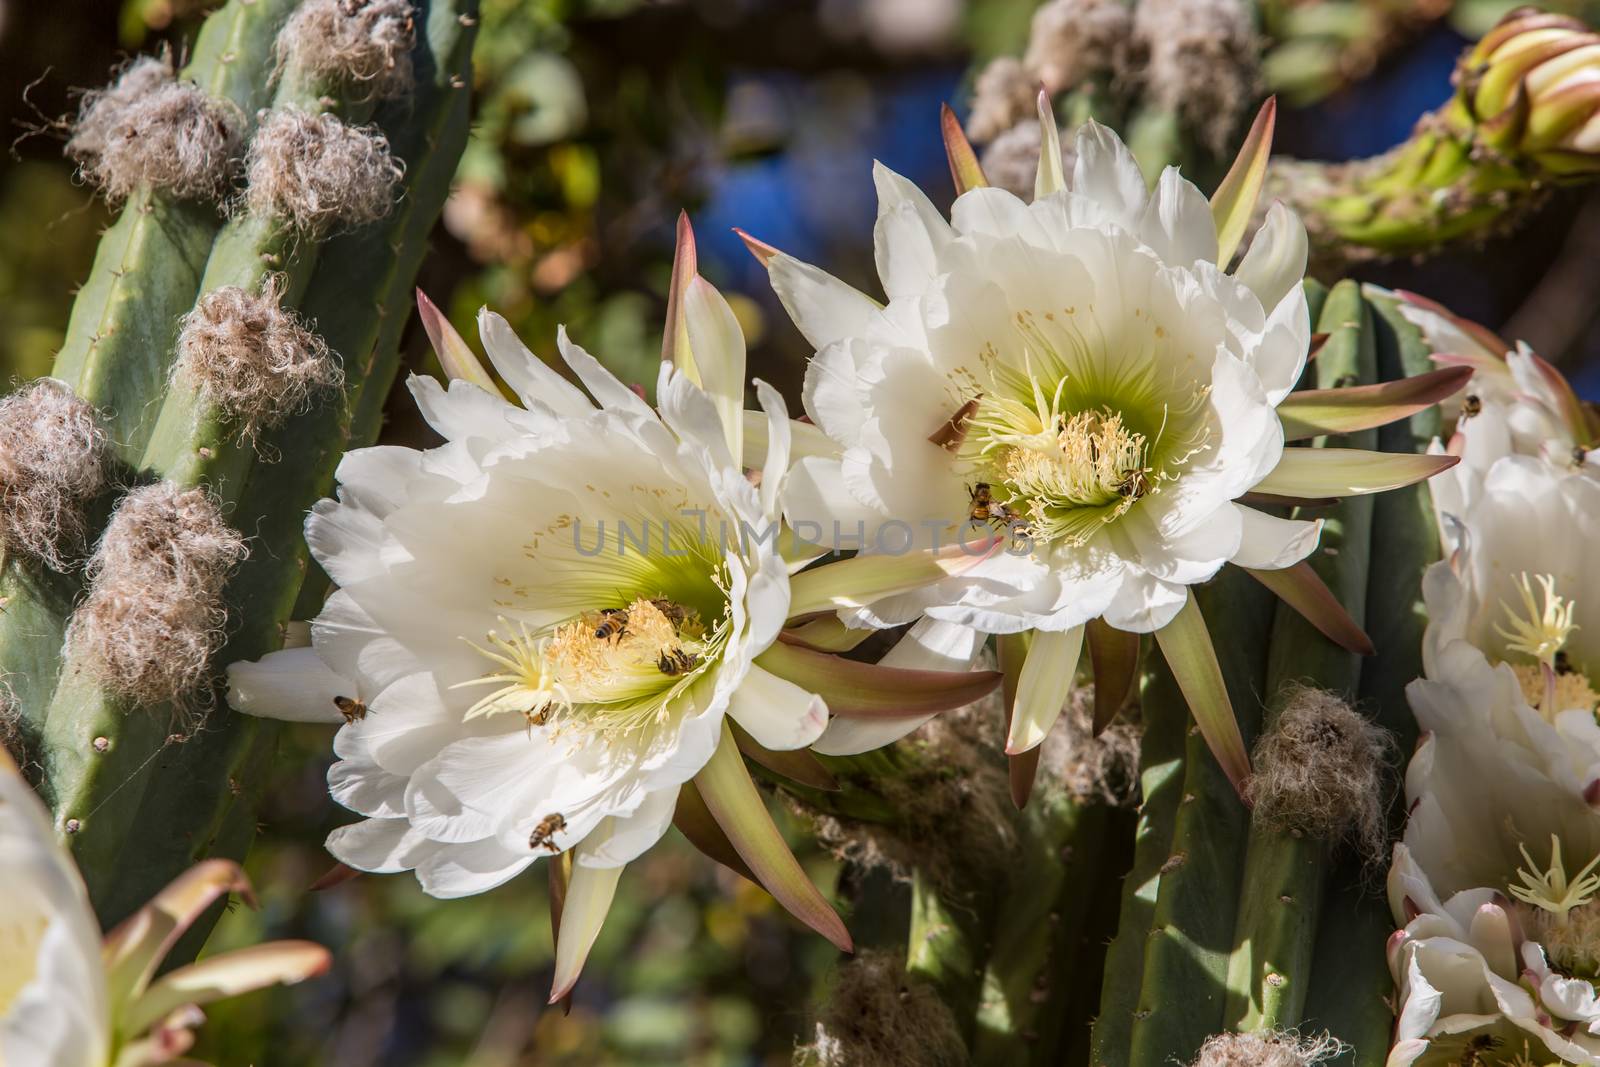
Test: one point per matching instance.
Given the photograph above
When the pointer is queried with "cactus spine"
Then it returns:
(135, 804)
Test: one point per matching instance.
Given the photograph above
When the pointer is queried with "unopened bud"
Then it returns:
(1531, 88)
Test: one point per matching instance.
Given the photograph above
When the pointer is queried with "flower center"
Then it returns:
(1540, 631)
(614, 670)
(1573, 947)
(21, 934)
(1550, 890)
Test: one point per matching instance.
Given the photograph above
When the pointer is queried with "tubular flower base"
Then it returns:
(69, 1000)
(1525, 116)
(1081, 375)
(547, 630)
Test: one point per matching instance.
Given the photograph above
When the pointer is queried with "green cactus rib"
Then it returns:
(99, 749)
(1350, 976)
(1162, 756)
(120, 336)
(1270, 970)
(1403, 525)
(1198, 897)
(359, 297)
(1074, 1002)
(99, 790)
(148, 267)
(1039, 921)
(946, 945)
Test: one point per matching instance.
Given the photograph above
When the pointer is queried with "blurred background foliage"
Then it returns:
(596, 122)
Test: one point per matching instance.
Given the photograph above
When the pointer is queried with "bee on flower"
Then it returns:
(564, 625)
(1091, 360)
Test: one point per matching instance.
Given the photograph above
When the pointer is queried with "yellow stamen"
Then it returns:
(528, 685)
(1091, 461)
(1549, 889)
(1535, 631)
(612, 670)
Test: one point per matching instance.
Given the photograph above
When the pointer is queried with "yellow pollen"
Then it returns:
(1552, 692)
(1535, 631)
(1549, 890)
(596, 658)
(1092, 460)
(1573, 946)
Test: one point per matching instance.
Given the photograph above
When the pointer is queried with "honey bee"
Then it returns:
(548, 827)
(613, 623)
(676, 661)
(354, 709)
(1472, 1054)
(985, 508)
(1136, 484)
(676, 613)
(1471, 406)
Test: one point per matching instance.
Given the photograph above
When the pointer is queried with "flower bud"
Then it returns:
(1531, 87)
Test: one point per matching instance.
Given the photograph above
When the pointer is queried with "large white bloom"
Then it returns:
(541, 627)
(1520, 587)
(1494, 884)
(1082, 371)
(1516, 517)
(1113, 388)
(66, 1000)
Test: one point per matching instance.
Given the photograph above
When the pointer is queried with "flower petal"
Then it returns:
(1186, 644)
(717, 345)
(873, 690)
(930, 645)
(1107, 173)
(1043, 687)
(1322, 472)
(1309, 412)
(1276, 260)
(825, 309)
(230, 974)
(455, 355)
(588, 899)
(778, 714)
(739, 809)
(1304, 590)
(909, 236)
(529, 375)
(1234, 202)
(1269, 542)
(293, 685)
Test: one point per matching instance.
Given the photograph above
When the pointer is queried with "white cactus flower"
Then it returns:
(1469, 978)
(1515, 404)
(1495, 883)
(1083, 371)
(69, 1000)
(545, 629)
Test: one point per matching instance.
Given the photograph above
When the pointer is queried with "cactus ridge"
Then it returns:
(1284, 874)
(100, 751)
